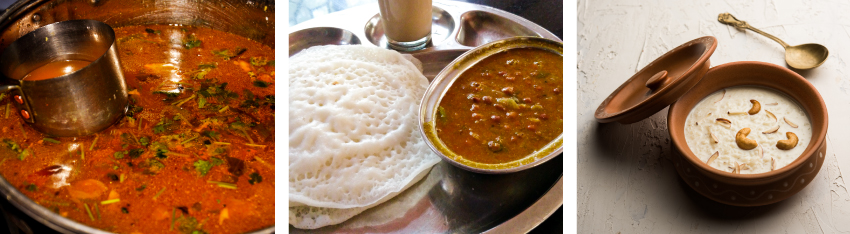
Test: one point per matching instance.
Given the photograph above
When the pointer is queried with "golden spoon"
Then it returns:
(805, 56)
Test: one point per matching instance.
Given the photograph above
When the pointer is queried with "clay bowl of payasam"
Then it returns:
(650, 90)
(751, 189)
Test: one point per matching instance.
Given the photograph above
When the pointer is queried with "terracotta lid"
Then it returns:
(659, 84)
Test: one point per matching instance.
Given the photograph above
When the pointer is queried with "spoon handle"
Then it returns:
(727, 18)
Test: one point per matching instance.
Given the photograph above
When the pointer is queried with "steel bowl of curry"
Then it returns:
(498, 108)
(194, 152)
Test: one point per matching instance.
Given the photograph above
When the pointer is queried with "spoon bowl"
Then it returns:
(806, 56)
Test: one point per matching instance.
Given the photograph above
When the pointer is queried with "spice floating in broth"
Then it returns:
(56, 69)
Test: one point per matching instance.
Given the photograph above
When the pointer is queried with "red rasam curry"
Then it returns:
(505, 107)
(194, 154)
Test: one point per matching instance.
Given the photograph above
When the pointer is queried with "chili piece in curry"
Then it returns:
(194, 153)
(505, 107)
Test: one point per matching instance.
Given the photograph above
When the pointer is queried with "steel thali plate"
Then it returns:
(449, 199)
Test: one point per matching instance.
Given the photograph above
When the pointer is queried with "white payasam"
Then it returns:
(718, 123)
(353, 131)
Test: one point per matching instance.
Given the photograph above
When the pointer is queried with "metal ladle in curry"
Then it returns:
(805, 56)
(81, 88)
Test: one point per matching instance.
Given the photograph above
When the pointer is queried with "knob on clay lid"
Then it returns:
(659, 84)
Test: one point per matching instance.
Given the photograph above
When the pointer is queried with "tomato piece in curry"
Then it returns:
(503, 108)
(194, 153)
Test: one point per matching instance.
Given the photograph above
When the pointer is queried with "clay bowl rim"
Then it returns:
(677, 121)
(710, 43)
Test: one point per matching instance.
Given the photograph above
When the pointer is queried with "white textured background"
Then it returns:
(627, 182)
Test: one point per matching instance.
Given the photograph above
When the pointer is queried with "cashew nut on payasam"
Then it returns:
(744, 142)
(756, 107)
(787, 144)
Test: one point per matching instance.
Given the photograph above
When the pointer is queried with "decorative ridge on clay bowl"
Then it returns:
(750, 189)
(659, 83)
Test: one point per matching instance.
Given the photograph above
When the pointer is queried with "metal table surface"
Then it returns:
(546, 13)
(626, 180)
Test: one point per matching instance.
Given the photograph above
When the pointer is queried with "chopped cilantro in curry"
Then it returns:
(195, 130)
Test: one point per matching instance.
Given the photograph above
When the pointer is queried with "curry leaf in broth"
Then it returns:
(165, 125)
(151, 166)
(203, 166)
(161, 154)
(541, 75)
(210, 88)
(16, 149)
(151, 31)
(169, 96)
(127, 138)
(24, 154)
(255, 178)
(202, 70)
(191, 42)
(12, 145)
(211, 122)
(189, 225)
(216, 161)
(270, 100)
(130, 38)
(441, 113)
(259, 61)
(216, 149)
(160, 150)
(509, 102)
(228, 54)
(250, 100)
(144, 141)
(133, 109)
(202, 101)
(212, 134)
(135, 153)
(239, 125)
(261, 84)
(112, 176)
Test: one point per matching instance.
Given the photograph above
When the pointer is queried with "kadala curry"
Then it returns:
(503, 108)
(194, 154)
